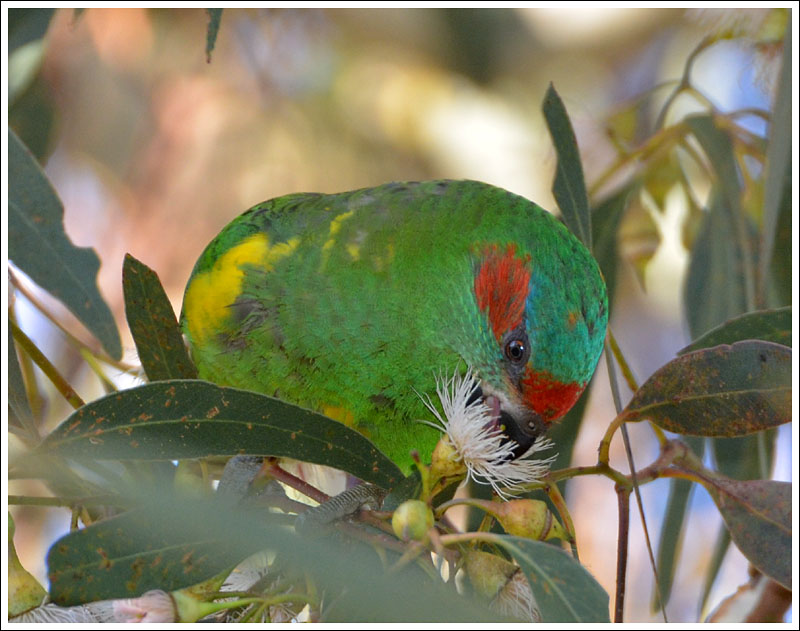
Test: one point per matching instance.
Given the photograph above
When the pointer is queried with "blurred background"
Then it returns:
(153, 149)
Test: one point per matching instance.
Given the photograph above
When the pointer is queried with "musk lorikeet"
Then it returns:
(352, 304)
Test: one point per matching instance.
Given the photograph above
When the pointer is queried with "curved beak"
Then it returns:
(516, 422)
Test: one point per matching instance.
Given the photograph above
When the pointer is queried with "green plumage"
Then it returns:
(351, 302)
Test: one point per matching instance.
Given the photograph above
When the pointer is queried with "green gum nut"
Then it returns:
(528, 518)
(412, 520)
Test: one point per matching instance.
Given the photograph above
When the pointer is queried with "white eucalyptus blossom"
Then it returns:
(486, 453)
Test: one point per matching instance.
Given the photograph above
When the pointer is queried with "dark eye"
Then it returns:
(515, 351)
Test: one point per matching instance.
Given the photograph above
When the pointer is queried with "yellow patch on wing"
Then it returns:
(354, 250)
(336, 225)
(337, 413)
(211, 293)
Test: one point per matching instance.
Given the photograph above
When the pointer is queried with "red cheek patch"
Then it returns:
(548, 397)
(501, 287)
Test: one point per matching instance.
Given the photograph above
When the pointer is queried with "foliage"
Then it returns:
(126, 463)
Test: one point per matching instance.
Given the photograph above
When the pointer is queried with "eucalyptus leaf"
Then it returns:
(153, 324)
(172, 541)
(569, 186)
(781, 270)
(564, 590)
(721, 545)
(27, 25)
(774, 325)
(778, 160)
(672, 531)
(214, 18)
(721, 391)
(758, 514)
(714, 290)
(171, 420)
(606, 219)
(719, 148)
(38, 245)
(127, 555)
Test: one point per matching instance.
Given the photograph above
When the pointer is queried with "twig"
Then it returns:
(635, 485)
(623, 505)
(47, 368)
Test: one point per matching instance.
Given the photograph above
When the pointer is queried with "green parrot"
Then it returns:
(353, 304)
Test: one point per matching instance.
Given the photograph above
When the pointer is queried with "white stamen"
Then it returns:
(487, 454)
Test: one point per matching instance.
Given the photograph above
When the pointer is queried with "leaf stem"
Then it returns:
(685, 82)
(598, 469)
(605, 444)
(659, 141)
(35, 398)
(32, 500)
(555, 496)
(31, 297)
(623, 364)
(47, 368)
(91, 360)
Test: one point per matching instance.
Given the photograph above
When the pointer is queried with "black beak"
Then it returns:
(523, 431)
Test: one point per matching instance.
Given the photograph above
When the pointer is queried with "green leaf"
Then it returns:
(721, 546)
(774, 325)
(672, 531)
(778, 161)
(781, 269)
(569, 187)
(565, 433)
(171, 420)
(606, 219)
(27, 25)
(38, 245)
(662, 173)
(719, 148)
(714, 291)
(739, 458)
(125, 556)
(153, 324)
(563, 588)
(758, 514)
(639, 237)
(214, 18)
(142, 550)
(721, 391)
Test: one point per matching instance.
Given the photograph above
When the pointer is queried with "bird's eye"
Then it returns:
(515, 351)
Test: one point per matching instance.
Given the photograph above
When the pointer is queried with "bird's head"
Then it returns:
(541, 316)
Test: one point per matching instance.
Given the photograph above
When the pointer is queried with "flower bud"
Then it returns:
(487, 572)
(412, 520)
(528, 518)
(446, 462)
(503, 584)
(24, 591)
(516, 600)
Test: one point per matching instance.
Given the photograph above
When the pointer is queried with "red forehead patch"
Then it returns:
(501, 287)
